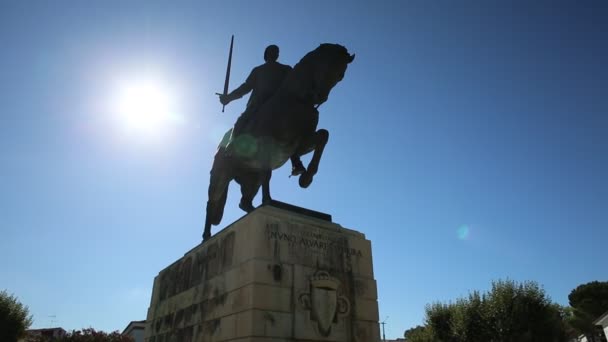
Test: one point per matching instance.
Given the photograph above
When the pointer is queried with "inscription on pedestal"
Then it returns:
(299, 236)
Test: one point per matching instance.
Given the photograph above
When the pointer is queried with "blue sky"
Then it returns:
(467, 141)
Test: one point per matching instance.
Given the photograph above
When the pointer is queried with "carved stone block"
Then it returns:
(276, 274)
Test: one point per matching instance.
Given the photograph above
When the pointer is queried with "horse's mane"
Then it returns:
(325, 51)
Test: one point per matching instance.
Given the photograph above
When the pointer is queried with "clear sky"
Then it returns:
(468, 141)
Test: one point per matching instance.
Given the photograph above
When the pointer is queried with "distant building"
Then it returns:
(135, 329)
(603, 322)
(48, 334)
(602, 325)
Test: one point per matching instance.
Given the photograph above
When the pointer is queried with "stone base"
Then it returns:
(277, 274)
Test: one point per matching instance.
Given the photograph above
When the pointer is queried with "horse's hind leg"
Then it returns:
(248, 192)
(317, 142)
(250, 186)
(266, 175)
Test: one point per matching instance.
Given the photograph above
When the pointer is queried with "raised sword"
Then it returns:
(227, 81)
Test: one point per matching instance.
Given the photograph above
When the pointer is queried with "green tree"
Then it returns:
(588, 302)
(470, 319)
(509, 312)
(91, 335)
(522, 312)
(418, 334)
(439, 319)
(15, 318)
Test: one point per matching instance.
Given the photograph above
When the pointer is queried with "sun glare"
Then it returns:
(145, 107)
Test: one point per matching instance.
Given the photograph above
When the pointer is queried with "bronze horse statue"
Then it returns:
(284, 126)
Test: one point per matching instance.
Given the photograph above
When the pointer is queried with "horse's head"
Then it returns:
(327, 65)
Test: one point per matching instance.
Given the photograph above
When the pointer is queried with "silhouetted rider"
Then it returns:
(263, 81)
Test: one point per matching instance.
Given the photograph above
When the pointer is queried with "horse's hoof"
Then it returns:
(266, 201)
(247, 207)
(297, 170)
(206, 236)
(305, 180)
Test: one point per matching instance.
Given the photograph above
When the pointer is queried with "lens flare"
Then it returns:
(245, 145)
(463, 232)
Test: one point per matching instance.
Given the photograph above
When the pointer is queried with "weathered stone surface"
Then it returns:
(274, 275)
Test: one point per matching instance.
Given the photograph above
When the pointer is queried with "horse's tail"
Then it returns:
(221, 176)
(215, 209)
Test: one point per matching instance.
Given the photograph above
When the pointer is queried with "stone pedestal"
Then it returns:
(280, 273)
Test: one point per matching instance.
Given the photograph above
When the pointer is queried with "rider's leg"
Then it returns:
(238, 129)
(238, 126)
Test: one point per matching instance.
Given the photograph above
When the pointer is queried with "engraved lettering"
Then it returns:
(312, 240)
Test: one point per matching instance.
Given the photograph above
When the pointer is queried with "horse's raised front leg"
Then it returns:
(317, 143)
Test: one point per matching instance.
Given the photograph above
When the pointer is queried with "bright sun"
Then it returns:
(145, 107)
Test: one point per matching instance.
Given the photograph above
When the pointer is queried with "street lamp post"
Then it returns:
(383, 334)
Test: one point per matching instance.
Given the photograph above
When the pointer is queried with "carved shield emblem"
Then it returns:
(324, 302)
(324, 305)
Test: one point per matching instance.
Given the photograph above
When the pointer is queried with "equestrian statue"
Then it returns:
(279, 124)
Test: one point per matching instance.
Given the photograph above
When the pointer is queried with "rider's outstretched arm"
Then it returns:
(243, 89)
